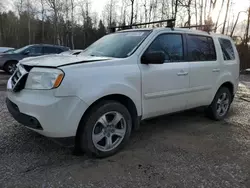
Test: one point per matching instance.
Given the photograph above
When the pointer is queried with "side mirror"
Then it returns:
(26, 52)
(153, 58)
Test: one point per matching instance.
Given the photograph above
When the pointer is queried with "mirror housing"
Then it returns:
(153, 58)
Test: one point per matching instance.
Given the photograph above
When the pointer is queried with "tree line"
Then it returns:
(74, 23)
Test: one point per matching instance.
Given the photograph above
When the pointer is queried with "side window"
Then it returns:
(227, 49)
(201, 48)
(35, 50)
(171, 45)
(50, 50)
(59, 50)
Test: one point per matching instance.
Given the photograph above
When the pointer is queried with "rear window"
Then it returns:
(201, 48)
(227, 49)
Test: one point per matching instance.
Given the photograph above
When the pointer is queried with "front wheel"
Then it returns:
(220, 106)
(106, 129)
(10, 67)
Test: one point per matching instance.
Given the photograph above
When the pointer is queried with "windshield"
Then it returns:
(118, 45)
(18, 50)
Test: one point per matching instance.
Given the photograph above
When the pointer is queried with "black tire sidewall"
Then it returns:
(214, 103)
(6, 66)
(86, 144)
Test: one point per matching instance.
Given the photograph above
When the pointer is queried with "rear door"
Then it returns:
(204, 69)
(164, 86)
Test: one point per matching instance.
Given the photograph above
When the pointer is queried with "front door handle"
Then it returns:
(182, 73)
(216, 70)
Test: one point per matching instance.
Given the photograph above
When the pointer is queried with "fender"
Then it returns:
(223, 78)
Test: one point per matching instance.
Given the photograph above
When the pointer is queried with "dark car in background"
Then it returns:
(9, 60)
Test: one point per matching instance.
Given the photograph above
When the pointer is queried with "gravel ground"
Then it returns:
(180, 150)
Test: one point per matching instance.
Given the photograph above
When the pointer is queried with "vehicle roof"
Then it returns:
(49, 45)
(184, 30)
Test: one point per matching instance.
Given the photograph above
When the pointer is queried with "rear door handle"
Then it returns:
(182, 73)
(216, 70)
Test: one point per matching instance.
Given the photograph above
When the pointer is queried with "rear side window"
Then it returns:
(227, 49)
(59, 50)
(50, 50)
(201, 48)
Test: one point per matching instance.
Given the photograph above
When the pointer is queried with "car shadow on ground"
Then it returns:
(183, 124)
(3, 73)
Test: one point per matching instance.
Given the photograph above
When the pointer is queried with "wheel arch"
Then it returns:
(228, 85)
(123, 99)
(12, 60)
(6, 62)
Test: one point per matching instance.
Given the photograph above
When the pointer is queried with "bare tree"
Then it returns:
(212, 6)
(225, 19)
(196, 12)
(175, 8)
(187, 5)
(217, 22)
(56, 6)
(132, 11)
(109, 12)
(247, 28)
(235, 23)
(201, 11)
(72, 6)
(205, 10)
(43, 17)
(145, 10)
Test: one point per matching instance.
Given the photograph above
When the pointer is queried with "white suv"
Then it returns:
(100, 96)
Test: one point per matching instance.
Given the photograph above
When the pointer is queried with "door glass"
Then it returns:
(227, 49)
(35, 50)
(171, 45)
(50, 50)
(201, 48)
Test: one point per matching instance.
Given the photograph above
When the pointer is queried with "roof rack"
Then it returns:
(170, 23)
(198, 26)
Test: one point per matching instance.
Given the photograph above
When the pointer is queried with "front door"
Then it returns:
(164, 86)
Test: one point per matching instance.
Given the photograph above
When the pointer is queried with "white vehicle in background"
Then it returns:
(72, 52)
(5, 49)
(100, 96)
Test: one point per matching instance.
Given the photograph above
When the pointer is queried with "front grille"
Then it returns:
(16, 76)
(19, 78)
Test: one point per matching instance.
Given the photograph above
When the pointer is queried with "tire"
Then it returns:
(218, 109)
(10, 67)
(92, 128)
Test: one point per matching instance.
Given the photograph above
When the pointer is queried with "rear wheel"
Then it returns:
(220, 106)
(10, 67)
(106, 129)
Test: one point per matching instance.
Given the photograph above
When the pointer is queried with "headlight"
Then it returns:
(44, 78)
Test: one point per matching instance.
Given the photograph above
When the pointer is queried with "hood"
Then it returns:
(60, 60)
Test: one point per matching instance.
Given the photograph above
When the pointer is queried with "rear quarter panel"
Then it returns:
(229, 69)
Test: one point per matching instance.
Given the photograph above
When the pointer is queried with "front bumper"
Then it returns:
(41, 111)
(24, 119)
